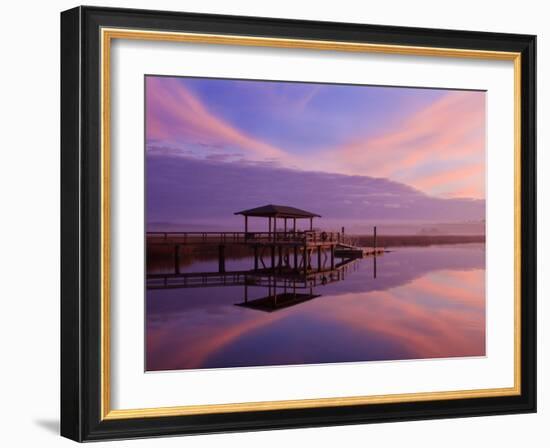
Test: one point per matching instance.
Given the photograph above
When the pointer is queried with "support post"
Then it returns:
(374, 239)
(245, 225)
(296, 257)
(332, 257)
(305, 260)
(294, 225)
(221, 258)
(319, 266)
(255, 258)
(177, 259)
(310, 223)
(272, 257)
(262, 258)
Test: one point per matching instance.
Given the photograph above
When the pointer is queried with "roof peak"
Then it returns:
(274, 210)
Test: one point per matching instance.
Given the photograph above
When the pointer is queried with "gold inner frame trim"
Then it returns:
(107, 35)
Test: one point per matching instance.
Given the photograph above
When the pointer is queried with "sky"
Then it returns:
(368, 147)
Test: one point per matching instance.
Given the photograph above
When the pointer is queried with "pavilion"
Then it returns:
(273, 212)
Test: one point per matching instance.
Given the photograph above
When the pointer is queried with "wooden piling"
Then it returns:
(221, 258)
(177, 258)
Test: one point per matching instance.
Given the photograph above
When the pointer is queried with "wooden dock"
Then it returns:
(264, 238)
(286, 248)
(305, 250)
(285, 260)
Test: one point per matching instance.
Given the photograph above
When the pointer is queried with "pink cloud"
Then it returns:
(424, 150)
(174, 114)
(473, 175)
(439, 149)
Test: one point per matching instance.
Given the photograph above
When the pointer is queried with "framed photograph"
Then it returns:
(275, 223)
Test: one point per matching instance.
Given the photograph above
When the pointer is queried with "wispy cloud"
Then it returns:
(175, 115)
(437, 146)
(425, 150)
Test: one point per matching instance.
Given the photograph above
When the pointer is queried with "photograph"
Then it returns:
(280, 223)
(301, 223)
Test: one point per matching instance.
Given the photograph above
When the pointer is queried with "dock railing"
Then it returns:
(308, 236)
(196, 237)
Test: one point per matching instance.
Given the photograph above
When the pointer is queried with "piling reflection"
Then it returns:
(286, 283)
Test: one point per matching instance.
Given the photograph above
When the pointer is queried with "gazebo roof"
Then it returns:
(278, 211)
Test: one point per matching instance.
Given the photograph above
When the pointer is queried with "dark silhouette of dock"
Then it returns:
(286, 247)
(286, 259)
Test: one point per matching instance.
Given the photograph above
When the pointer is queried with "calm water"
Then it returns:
(425, 302)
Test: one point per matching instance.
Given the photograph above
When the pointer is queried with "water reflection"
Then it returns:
(422, 303)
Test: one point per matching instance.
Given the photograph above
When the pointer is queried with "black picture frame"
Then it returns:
(81, 224)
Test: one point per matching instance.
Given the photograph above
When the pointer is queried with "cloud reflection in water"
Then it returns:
(426, 302)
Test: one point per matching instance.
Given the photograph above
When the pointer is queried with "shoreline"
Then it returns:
(386, 241)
